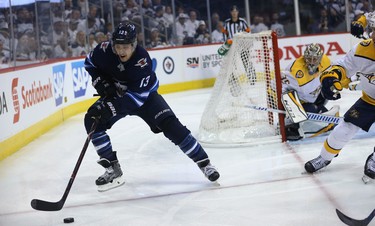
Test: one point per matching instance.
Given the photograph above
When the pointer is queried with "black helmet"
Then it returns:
(125, 33)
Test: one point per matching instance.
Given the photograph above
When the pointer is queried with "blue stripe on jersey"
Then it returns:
(140, 98)
(88, 60)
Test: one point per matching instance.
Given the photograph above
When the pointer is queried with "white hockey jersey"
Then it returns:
(360, 62)
(296, 77)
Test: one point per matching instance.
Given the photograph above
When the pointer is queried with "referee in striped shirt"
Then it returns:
(234, 24)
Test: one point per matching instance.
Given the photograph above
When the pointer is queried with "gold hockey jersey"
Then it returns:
(360, 62)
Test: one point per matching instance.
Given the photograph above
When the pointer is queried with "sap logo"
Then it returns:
(80, 79)
(58, 83)
(192, 62)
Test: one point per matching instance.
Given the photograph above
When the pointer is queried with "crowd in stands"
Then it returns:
(74, 27)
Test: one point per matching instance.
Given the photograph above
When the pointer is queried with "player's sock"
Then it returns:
(112, 176)
(316, 164)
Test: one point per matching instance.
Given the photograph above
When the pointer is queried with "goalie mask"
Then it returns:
(312, 56)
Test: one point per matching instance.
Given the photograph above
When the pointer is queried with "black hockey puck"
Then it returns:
(69, 220)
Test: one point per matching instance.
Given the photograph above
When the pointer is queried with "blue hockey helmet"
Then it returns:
(125, 33)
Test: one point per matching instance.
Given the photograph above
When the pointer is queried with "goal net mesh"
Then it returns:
(247, 78)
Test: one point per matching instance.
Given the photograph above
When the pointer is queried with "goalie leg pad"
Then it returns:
(293, 107)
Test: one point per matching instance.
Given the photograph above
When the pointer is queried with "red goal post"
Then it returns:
(249, 75)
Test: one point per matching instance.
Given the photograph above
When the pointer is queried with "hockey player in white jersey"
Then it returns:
(302, 78)
(359, 61)
(358, 27)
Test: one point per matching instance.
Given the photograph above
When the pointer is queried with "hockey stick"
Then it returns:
(310, 116)
(353, 222)
(42, 205)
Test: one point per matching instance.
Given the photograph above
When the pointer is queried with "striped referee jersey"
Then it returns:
(231, 27)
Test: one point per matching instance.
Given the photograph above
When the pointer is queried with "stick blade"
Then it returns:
(38, 204)
(353, 222)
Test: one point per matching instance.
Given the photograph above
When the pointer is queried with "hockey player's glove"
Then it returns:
(331, 85)
(104, 88)
(102, 110)
(356, 29)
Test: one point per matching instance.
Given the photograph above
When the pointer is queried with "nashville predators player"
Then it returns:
(359, 61)
(302, 78)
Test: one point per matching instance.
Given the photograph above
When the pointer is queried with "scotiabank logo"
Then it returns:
(36, 93)
(16, 102)
(80, 79)
(58, 83)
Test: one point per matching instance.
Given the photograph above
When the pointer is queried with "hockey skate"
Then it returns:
(112, 177)
(369, 169)
(316, 164)
(209, 170)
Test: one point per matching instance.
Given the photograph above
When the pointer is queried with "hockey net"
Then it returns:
(249, 76)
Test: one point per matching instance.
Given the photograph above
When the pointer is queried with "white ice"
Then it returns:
(259, 185)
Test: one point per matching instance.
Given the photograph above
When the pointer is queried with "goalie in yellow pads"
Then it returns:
(359, 61)
(302, 78)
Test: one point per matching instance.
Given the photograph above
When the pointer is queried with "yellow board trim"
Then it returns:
(21, 139)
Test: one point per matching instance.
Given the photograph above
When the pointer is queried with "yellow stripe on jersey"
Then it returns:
(330, 149)
(366, 98)
(365, 49)
(300, 72)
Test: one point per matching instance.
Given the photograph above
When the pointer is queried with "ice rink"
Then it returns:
(263, 185)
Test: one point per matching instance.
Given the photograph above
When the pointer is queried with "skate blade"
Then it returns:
(366, 179)
(117, 182)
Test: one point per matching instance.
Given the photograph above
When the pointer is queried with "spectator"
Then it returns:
(192, 23)
(217, 35)
(258, 25)
(61, 49)
(181, 29)
(156, 4)
(155, 40)
(131, 9)
(26, 47)
(323, 25)
(72, 30)
(4, 54)
(92, 42)
(168, 15)
(276, 26)
(24, 21)
(215, 19)
(202, 35)
(79, 46)
(100, 37)
(147, 7)
(59, 30)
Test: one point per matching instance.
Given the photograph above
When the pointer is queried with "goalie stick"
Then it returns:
(310, 116)
(42, 205)
(353, 222)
